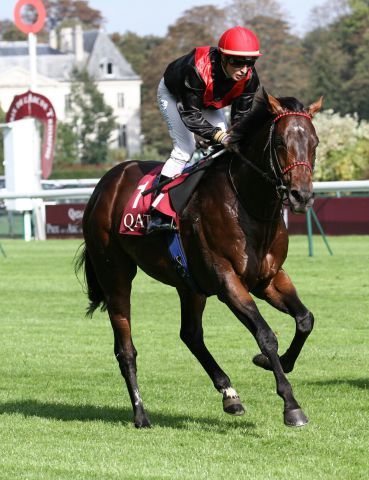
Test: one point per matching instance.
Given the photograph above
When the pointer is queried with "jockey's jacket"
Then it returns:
(198, 81)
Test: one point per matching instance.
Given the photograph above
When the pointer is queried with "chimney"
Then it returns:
(53, 40)
(66, 40)
(78, 43)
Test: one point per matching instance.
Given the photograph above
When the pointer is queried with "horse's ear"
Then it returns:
(274, 105)
(315, 107)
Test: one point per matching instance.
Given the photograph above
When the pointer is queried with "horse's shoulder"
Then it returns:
(215, 180)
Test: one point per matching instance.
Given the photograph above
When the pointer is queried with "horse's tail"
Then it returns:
(94, 291)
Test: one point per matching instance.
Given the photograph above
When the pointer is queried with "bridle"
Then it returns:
(274, 165)
(273, 157)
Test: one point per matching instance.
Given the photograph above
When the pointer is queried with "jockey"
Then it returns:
(193, 92)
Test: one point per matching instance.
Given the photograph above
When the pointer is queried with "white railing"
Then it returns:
(354, 186)
(71, 193)
(40, 198)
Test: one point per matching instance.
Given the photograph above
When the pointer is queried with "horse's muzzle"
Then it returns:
(300, 200)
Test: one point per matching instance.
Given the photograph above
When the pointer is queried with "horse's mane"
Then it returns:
(244, 131)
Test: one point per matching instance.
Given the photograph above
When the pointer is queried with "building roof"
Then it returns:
(98, 50)
(104, 51)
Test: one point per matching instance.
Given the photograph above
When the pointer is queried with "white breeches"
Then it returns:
(184, 143)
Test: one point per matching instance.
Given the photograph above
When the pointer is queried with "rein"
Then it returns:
(277, 178)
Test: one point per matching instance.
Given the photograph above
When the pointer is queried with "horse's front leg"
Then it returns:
(192, 307)
(281, 294)
(238, 299)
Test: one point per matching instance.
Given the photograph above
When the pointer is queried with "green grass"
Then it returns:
(65, 413)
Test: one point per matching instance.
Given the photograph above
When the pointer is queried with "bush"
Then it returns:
(148, 153)
(117, 155)
(343, 152)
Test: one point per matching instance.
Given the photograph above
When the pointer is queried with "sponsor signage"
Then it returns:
(64, 220)
(31, 104)
(30, 27)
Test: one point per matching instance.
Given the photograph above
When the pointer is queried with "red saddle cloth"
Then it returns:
(136, 213)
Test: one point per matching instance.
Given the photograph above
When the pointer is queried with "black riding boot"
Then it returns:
(159, 221)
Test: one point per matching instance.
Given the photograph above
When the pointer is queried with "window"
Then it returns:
(120, 100)
(122, 136)
(68, 102)
(107, 68)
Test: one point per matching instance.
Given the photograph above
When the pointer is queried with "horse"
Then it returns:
(235, 240)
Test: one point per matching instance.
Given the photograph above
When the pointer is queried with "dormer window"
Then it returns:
(107, 68)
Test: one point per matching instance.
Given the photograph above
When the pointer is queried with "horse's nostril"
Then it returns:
(296, 195)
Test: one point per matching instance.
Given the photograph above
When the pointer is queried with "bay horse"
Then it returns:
(235, 240)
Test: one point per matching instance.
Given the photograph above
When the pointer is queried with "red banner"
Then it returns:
(31, 104)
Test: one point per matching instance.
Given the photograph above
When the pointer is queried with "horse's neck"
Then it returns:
(256, 194)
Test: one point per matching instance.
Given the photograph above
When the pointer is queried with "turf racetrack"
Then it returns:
(65, 413)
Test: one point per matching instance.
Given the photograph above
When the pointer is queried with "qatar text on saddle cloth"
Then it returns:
(136, 213)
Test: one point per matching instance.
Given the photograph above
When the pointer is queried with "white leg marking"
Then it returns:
(229, 392)
(138, 399)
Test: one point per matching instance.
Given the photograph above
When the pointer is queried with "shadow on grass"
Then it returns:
(362, 383)
(88, 413)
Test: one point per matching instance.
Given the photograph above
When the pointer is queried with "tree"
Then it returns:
(328, 65)
(189, 30)
(92, 119)
(10, 33)
(66, 146)
(328, 13)
(339, 59)
(241, 12)
(64, 11)
(136, 49)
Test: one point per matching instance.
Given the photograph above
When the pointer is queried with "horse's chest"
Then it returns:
(268, 267)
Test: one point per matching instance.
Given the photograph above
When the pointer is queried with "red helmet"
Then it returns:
(239, 41)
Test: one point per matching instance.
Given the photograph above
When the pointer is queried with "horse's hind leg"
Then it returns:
(117, 287)
(281, 294)
(192, 307)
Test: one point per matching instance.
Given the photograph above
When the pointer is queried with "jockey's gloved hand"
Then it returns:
(202, 143)
(222, 137)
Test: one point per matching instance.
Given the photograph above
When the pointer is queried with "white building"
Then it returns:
(92, 50)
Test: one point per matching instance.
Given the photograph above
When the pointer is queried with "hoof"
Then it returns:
(261, 361)
(233, 406)
(142, 422)
(295, 418)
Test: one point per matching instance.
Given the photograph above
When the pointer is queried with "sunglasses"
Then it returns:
(241, 62)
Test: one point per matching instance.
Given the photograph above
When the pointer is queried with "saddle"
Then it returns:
(170, 200)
